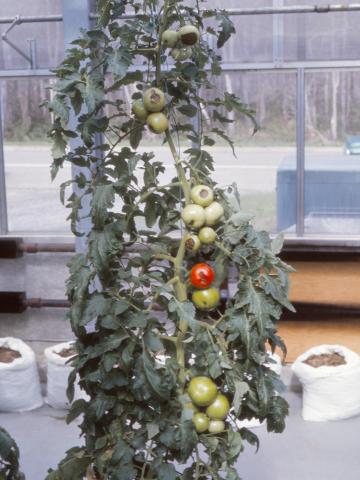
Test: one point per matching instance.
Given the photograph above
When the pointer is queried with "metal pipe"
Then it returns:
(16, 48)
(47, 302)
(354, 7)
(294, 9)
(22, 73)
(32, 19)
(300, 154)
(344, 65)
(47, 247)
(33, 53)
(278, 35)
(3, 201)
(126, 16)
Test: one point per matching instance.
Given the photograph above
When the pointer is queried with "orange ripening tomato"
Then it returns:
(201, 275)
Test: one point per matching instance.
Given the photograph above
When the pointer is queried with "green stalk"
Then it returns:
(181, 294)
(180, 170)
(180, 286)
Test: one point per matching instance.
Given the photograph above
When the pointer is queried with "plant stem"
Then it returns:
(180, 286)
(222, 247)
(181, 294)
(162, 28)
(181, 172)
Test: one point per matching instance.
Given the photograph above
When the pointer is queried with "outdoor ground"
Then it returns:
(305, 451)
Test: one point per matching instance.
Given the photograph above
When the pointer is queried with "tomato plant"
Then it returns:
(192, 242)
(219, 408)
(170, 38)
(202, 391)
(206, 299)
(189, 35)
(216, 426)
(213, 213)
(138, 371)
(154, 100)
(201, 422)
(201, 275)
(207, 235)
(202, 195)
(139, 110)
(181, 54)
(157, 122)
(9, 458)
(193, 215)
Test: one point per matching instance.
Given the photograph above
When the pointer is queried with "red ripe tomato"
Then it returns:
(201, 275)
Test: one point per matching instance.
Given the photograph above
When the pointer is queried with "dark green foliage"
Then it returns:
(9, 458)
(135, 425)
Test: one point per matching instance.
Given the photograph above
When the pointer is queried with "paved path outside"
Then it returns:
(33, 201)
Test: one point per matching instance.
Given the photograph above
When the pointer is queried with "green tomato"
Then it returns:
(201, 422)
(154, 99)
(202, 195)
(216, 426)
(206, 299)
(169, 38)
(219, 409)
(189, 35)
(192, 242)
(193, 216)
(139, 110)
(213, 213)
(181, 54)
(202, 391)
(157, 122)
(207, 235)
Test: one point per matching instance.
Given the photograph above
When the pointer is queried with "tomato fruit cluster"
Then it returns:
(204, 394)
(149, 110)
(181, 41)
(201, 215)
(202, 276)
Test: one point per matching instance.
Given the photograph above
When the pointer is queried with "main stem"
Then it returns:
(180, 286)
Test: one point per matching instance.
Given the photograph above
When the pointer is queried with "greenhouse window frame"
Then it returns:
(80, 10)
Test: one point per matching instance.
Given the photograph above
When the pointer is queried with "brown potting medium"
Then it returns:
(67, 352)
(7, 355)
(325, 360)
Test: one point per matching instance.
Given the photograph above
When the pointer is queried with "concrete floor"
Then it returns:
(305, 451)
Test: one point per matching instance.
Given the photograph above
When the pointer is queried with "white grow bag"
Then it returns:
(329, 392)
(58, 371)
(19, 380)
(276, 366)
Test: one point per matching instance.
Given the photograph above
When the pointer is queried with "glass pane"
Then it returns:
(253, 39)
(332, 176)
(33, 200)
(48, 37)
(325, 36)
(257, 168)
